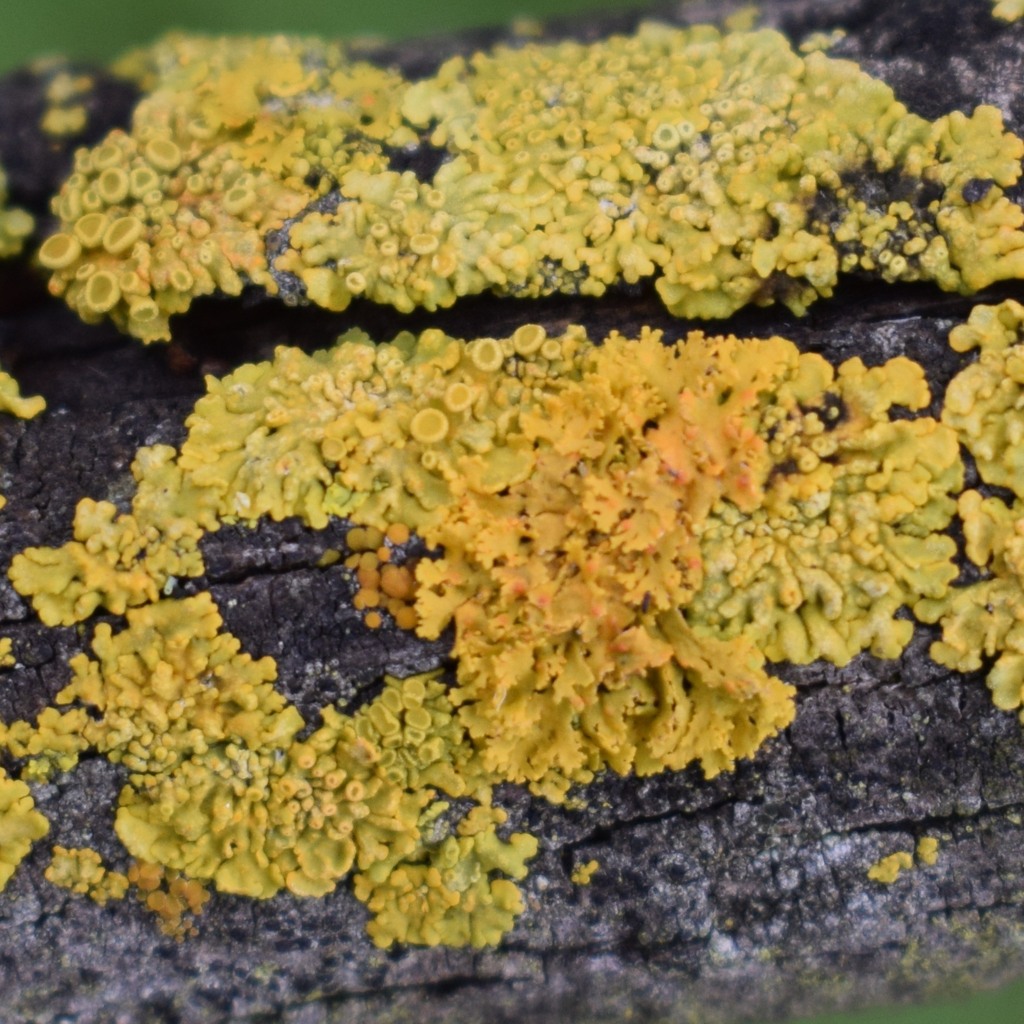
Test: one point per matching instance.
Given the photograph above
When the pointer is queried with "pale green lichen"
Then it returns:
(725, 168)
(985, 405)
(582, 874)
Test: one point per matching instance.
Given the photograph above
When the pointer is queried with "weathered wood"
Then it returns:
(741, 898)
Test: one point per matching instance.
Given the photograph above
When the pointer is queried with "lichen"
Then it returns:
(582, 874)
(82, 871)
(117, 560)
(20, 825)
(176, 901)
(927, 851)
(66, 95)
(848, 532)
(727, 169)
(14, 403)
(575, 497)
(1008, 10)
(887, 869)
(7, 659)
(15, 224)
(985, 405)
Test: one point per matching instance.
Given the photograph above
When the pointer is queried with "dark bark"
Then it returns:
(741, 898)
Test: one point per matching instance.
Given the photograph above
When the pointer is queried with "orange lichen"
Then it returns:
(383, 585)
(20, 825)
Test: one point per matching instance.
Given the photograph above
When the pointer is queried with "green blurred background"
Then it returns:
(102, 28)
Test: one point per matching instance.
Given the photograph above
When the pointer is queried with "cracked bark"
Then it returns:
(739, 898)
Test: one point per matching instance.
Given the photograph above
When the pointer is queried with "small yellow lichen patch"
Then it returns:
(52, 744)
(448, 895)
(15, 225)
(65, 94)
(888, 869)
(20, 825)
(583, 873)
(82, 871)
(12, 401)
(927, 851)
(7, 659)
(725, 167)
(1008, 10)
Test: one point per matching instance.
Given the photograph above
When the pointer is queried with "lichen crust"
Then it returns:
(726, 168)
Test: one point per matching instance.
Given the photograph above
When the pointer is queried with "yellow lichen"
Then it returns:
(583, 873)
(175, 900)
(927, 850)
(14, 403)
(726, 168)
(580, 496)
(20, 825)
(7, 659)
(15, 224)
(82, 871)
(117, 561)
(1008, 10)
(887, 869)
(575, 495)
(848, 531)
(449, 895)
(985, 405)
